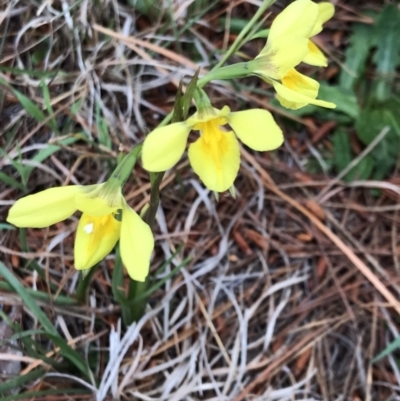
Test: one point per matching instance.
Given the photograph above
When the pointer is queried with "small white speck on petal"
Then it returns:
(88, 228)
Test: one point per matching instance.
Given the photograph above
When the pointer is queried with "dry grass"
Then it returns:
(291, 289)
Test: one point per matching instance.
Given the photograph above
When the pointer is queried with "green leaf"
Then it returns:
(362, 170)
(31, 73)
(84, 282)
(102, 129)
(39, 295)
(5, 226)
(30, 106)
(393, 346)
(18, 165)
(70, 354)
(236, 25)
(387, 55)
(345, 100)
(46, 394)
(361, 41)
(11, 182)
(19, 381)
(341, 150)
(263, 34)
(376, 117)
(370, 123)
(47, 102)
(343, 156)
(76, 106)
(28, 300)
(52, 332)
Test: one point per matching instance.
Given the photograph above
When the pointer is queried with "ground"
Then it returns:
(289, 291)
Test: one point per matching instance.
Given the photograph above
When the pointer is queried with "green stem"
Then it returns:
(154, 199)
(137, 289)
(135, 310)
(238, 41)
(238, 70)
(83, 284)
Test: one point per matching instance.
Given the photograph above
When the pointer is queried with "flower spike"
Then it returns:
(288, 45)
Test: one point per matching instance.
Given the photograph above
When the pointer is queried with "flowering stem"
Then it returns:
(83, 284)
(137, 288)
(238, 41)
(238, 70)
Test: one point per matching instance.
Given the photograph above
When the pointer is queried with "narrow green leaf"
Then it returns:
(19, 381)
(29, 106)
(263, 34)
(39, 295)
(17, 164)
(35, 395)
(393, 346)
(236, 25)
(28, 300)
(102, 129)
(11, 182)
(31, 73)
(47, 103)
(52, 332)
(362, 170)
(6, 226)
(70, 354)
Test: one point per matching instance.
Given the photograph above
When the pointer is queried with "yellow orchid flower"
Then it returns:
(287, 46)
(314, 55)
(215, 155)
(287, 43)
(99, 227)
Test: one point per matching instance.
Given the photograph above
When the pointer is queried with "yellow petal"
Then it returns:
(136, 244)
(297, 19)
(164, 146)
(99, 199)
(301, 83)
(215, 158)
(325, 13)
(44, 208)
(279, 56)
(291, 99)
(95, 238)
(315, 56)
(257, 129)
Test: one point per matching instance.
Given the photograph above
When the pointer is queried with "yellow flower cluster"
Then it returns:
(99, 227)
(288, 45)
(214, 156)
